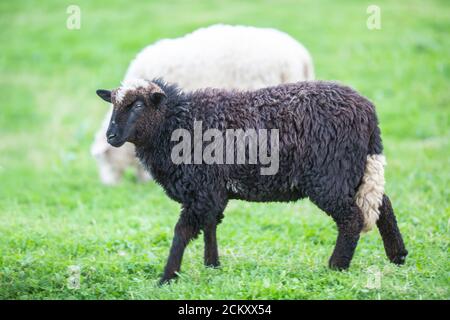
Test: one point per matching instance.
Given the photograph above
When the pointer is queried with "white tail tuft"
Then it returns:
(370, 193)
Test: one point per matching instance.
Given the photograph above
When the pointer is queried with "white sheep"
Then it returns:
(220, 56)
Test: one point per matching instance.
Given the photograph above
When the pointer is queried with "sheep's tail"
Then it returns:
(371, 189)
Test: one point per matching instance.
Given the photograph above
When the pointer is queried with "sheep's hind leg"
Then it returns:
(185, 231)
(349, 221)
(392, 238)
(211, 251)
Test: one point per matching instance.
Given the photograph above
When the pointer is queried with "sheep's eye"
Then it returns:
(138, 105)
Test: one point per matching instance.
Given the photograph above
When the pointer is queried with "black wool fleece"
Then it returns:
(329, 151)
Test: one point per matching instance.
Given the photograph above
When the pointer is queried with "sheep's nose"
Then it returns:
(111, 136)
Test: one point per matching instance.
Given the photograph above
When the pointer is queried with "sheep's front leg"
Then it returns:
(185, 231)
(211, 251)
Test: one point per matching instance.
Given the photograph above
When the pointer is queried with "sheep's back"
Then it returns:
(224, 56)
(321, 125)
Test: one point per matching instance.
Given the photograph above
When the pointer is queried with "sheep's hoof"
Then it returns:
(214, 265)
(338, 265)
(400, 258)
(166, 280)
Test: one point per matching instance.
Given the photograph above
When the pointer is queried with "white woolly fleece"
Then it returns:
(222, 56)
(370, 193)
(225, 56)
(129, 84)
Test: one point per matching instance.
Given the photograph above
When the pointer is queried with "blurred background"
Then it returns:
(57, 217)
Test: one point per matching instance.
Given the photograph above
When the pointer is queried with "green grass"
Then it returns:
(54, 213)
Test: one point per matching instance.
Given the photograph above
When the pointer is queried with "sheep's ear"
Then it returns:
(104, 94)
(157, 97)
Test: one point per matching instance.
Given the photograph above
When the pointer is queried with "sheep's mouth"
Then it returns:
(126, 135)
(116, 141)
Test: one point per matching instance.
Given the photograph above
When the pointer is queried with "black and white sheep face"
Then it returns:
(132, 107)
(122, 126)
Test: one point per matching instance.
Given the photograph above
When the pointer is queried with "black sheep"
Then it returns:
(329, 150)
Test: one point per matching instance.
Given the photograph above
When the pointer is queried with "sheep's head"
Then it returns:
(136, 109)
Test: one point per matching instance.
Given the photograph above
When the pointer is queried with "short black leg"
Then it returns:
(184, 232)
(350, 223)
(392, 238)
(211, 251)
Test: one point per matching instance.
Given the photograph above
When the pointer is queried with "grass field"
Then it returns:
(55, 214)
